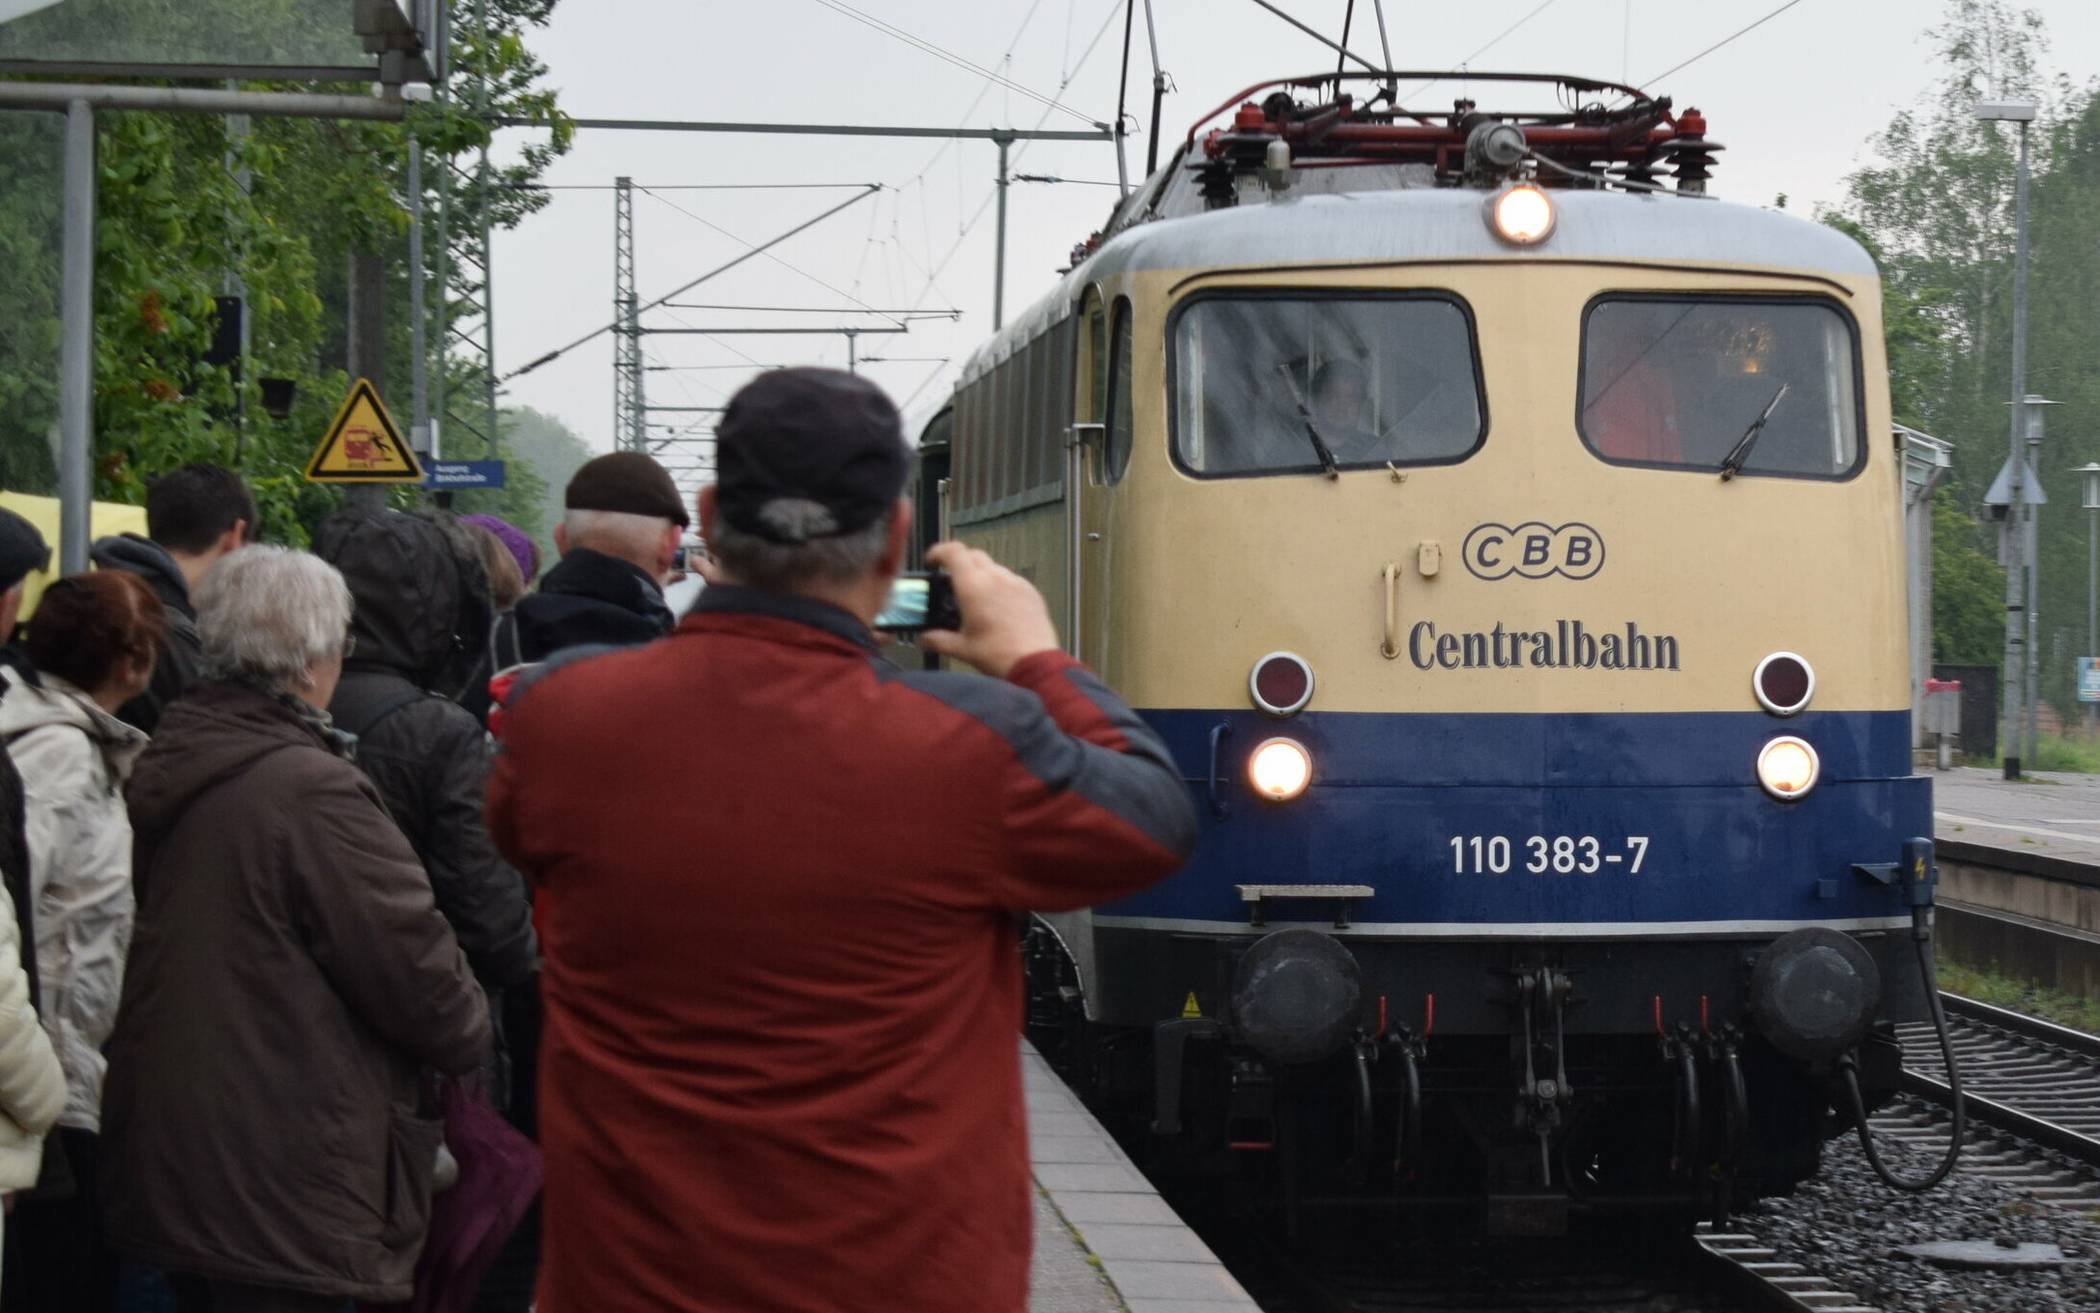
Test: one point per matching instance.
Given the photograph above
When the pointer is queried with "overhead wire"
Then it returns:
(792, 268)
(1020, 150)
(1722, 42)
(689, 284)
(1459, 69)
(894, 244)
(891, 30)
(689, 186)
(962, 235)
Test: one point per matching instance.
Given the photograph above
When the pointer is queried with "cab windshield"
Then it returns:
(1676, 382)
(1376, 379)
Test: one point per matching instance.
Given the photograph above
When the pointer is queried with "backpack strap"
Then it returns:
(386, 709)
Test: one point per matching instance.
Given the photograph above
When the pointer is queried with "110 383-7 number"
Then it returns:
(1544, 854)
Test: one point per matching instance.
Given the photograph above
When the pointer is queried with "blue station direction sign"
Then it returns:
(450, 475)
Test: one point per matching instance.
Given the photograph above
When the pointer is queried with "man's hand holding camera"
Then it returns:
(1004, 618)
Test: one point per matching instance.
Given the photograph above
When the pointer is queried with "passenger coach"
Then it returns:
(1506, 543)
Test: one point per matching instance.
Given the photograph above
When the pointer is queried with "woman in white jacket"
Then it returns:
(90, 649)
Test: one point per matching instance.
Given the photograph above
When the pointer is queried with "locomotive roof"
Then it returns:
(1422, 224)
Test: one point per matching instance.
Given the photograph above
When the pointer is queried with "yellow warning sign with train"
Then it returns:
(363, 445)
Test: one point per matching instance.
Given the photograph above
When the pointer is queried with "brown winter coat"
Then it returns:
(290, 978)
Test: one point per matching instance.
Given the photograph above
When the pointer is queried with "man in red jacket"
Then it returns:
(778, 888)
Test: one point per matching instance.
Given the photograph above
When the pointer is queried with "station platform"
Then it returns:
(2057, 815)
(1105, 1242)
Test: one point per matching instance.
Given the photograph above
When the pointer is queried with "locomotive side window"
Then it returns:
(1117, 449)
(1276, 383)
(1677, 382)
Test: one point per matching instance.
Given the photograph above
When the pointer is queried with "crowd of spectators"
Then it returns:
(721, 914)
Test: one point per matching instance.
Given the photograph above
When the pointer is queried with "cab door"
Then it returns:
(1102, 434)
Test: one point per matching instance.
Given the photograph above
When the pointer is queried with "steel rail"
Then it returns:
(2003, 1116)
(2077, 1041)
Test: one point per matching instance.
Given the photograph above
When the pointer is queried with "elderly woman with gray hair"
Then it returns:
(290, 980)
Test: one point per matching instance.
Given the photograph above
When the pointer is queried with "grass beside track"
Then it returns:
(1988, 986)
(2054, 753)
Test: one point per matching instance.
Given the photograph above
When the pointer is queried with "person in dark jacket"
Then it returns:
(290, 980)
(421, 610)
(194, 516)
(22, 551)
(618, 537)
(621, 528)
(779, 880)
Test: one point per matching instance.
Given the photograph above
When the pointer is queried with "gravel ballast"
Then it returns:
(1846, 1226)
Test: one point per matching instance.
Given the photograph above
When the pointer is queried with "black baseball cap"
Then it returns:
(824, 438)
(22, 549)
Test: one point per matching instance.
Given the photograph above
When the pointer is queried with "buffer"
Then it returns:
(362, 445)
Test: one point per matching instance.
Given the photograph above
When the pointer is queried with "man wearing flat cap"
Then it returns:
(778, 886)
(619, 533)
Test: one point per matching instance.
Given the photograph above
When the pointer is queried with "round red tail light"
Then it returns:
(1783, 683)
(1281, 683)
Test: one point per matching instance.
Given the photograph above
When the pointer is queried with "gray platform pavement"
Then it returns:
(2057, 814)
(1105, 1242)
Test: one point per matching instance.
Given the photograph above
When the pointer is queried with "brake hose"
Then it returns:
(1848, 1068)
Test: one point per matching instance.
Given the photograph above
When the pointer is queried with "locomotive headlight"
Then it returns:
(1522, 214)
(1787, 767)
(1279, 769)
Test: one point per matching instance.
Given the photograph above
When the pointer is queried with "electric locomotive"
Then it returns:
(1504, 536)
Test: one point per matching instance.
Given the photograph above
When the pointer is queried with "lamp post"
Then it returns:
(2091, 503)
(2012, 681)
(2036, 407)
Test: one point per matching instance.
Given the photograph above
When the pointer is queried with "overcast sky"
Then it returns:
(1794, 101)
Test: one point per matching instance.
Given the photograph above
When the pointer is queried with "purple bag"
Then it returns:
(499, 1177)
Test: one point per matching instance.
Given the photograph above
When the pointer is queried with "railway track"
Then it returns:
(2032, 1093)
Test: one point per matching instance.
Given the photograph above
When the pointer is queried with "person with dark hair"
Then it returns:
(32, 1085)
(1340, 387)
(194, 516)
(22, 550)
(90, 649)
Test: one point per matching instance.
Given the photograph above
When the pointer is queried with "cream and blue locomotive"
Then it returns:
(1504, 536)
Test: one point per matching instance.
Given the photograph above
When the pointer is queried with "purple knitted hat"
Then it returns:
(521, 548)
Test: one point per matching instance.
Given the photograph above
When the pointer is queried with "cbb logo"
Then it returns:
(1534, 551)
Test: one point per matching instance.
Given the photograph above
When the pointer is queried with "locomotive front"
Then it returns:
(1526, 612)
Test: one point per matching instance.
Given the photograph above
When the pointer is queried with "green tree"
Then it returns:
(184, 205)
(1968, 589)
(1936, 210)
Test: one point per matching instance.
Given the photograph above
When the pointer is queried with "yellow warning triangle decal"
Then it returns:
(362, 445)
(1190, 1008)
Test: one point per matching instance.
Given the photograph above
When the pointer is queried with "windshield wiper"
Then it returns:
(1732, 463)
(1312, 430)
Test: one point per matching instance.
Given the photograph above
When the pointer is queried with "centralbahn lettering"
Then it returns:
(1568, 645)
